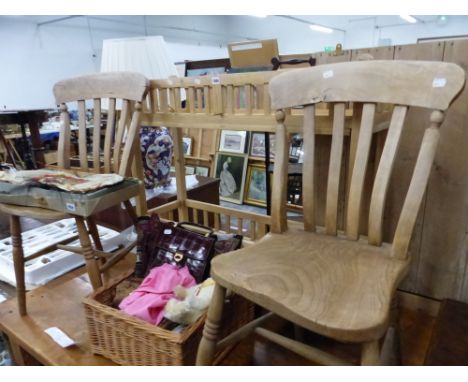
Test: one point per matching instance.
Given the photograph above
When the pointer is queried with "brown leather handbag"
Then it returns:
(179, 244)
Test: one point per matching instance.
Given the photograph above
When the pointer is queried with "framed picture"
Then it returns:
(189, 170)
(255, 186)
(232, 141)
(205, 71)
(202, 170)
(187, 145)
(257, 145)
(230, 168)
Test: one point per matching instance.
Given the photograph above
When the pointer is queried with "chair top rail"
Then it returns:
(234, 79)
(120, 85)
(425, 84)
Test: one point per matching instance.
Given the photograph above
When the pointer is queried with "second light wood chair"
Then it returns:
(116, 154)
(338, 284)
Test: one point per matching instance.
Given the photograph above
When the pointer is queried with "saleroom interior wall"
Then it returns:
(40, 50)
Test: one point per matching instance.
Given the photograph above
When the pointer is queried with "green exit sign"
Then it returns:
(329, 49)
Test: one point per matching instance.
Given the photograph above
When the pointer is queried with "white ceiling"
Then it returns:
(120, 22)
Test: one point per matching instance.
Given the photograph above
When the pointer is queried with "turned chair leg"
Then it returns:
(207, 347)
(370, 355)
(18, 262)
(92, 265)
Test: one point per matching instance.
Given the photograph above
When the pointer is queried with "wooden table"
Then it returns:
(57, 303)
(207, 190)
(33, 158)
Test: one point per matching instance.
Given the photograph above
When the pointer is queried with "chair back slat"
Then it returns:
(230, 99)
(206, 99)
(249, 99)
(131, 136)
(63, 148)
(97, 136)
(280, 176)
(308, 187)
(108, 141)
(382, 176)
(163, 100)
(82, 136)
(334, 172)
(417, 186)
(121, 127)
(191, 99)
(359, 171)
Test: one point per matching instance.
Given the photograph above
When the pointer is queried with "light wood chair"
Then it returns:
(120, 153)
(337, 284)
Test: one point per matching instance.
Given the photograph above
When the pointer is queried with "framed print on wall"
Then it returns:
(189, 170)
(230, 169)
(255, 186)
(232, 141)
(202, 170)
(187, 145)
(257, 145)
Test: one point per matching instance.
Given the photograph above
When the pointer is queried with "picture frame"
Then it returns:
(206, 71)
(233, 141)
(255, 185)
(189, 170)
(231, 168)
(257, 145)
(202, 170)
(187, 145)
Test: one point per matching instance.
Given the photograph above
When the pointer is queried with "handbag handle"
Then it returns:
(198, 228)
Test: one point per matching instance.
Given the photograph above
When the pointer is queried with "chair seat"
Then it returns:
(330, 285)
(32, 212)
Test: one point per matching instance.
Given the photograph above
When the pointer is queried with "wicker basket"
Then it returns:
(130, 341)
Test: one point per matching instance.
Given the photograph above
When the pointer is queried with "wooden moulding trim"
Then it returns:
(264, 219)
(165, 208)
(261, 123)
(235, 79)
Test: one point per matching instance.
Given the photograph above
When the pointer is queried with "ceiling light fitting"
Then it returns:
(320, 28)
(408, 18)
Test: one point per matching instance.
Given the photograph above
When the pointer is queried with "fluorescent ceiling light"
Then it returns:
(408, 18)
(320, 28)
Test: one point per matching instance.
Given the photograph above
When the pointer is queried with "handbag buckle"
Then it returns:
(178, 257)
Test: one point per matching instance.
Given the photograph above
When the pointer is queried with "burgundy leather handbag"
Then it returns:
(179, 244)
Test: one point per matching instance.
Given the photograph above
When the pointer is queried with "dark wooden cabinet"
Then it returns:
(207, 190)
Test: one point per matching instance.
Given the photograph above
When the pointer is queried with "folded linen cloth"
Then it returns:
(147, 302)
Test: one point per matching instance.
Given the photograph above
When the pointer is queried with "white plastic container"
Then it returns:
(44, 268)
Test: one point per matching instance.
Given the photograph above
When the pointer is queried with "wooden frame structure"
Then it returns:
(225, 102)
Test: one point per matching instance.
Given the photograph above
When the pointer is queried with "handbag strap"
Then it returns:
(194, 227)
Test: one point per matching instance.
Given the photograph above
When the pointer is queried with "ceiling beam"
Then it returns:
(309, 22)
(58, 20)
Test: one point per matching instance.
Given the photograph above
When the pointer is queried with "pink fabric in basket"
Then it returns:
(148, 300)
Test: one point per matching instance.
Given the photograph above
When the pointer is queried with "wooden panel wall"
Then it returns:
(442, 270)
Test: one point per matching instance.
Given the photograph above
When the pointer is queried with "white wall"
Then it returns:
(361, 32)
(34, 58)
